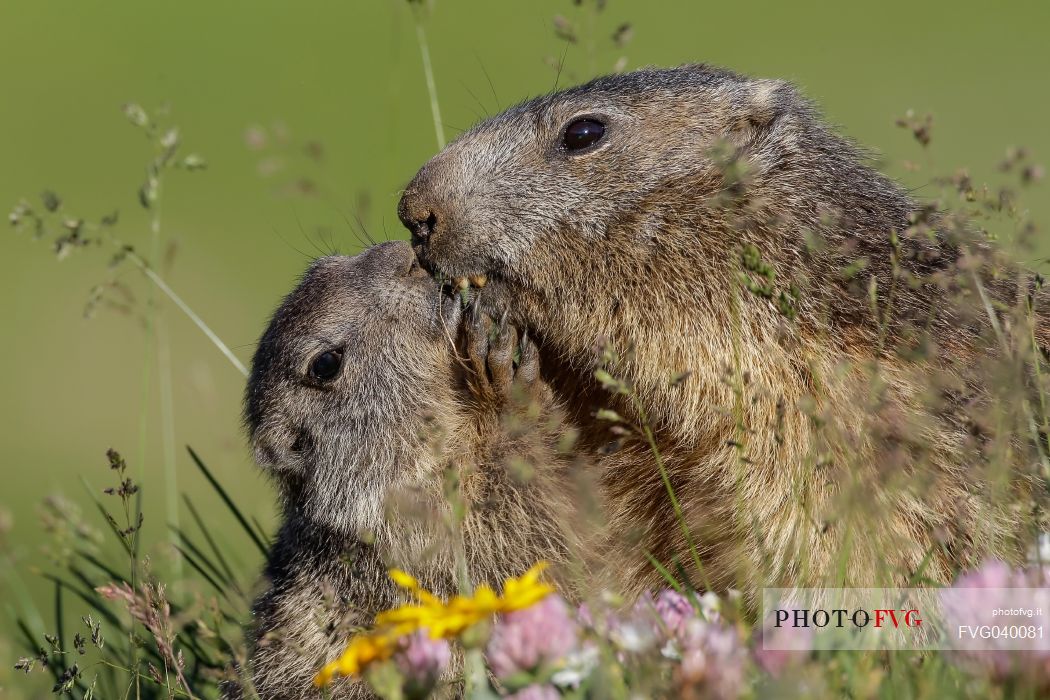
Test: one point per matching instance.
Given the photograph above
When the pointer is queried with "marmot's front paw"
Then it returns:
(502, 360)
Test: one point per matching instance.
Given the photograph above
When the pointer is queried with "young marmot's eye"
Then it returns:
(326, 365)
(582, 133)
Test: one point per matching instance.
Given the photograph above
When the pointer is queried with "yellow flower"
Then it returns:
(362, 650)
(451, 618)
(526, 591)
(441, 619)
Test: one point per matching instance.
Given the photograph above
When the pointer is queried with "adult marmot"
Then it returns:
(368, 418)
(810, 348)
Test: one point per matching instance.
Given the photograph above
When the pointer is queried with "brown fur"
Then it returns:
(844, 445)
(364, 461)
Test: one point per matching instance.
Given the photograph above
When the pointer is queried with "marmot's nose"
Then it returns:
(418, 215)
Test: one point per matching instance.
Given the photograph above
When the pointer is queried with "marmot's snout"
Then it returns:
(418, 215)
(433, 207)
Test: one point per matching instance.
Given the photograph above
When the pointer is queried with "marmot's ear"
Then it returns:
(763, 119)
(770, 99)
(758, 104)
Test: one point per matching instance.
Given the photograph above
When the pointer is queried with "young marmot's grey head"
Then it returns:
(344, 379)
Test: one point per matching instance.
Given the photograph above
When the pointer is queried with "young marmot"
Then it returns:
(367, 416)
(800, 335)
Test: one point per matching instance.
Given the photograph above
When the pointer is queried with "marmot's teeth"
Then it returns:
(479, 281)
(460, 282)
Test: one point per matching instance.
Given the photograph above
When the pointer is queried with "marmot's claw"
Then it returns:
(478, 327)
(529, 364)
(473, 309)
(501, 358)
(496, 358)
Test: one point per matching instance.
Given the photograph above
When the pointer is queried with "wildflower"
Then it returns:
(541, 635)
(713, 661)
(577, 666)
(362, 650)
(711, 606)
(151, 609)
(674, 610)
(585, 616)
(994, 574)
(975, 598)
(451, 618)
(779, 648)
(661, 621)
(421, 661)
(536, 692)
(430, 613)
(636, 633)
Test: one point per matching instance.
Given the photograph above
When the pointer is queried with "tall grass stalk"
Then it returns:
(644, 428)
(204, 328)
(676, 505)
(428, 73)
(158, 345)
(167, 422)
(1004, 343)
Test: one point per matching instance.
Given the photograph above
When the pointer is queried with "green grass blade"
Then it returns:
(260, 529)
(200, 570)
(93, 602)
(60, 623)
(26, 605)
(229, 503)
(671, 581)
(32, 646)
(219, 557)
(192, 548)
(110, 572)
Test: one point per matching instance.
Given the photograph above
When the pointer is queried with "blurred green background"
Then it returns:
(345, 81)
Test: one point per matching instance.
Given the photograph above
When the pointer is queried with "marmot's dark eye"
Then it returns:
(326, 365)
(582, 133)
